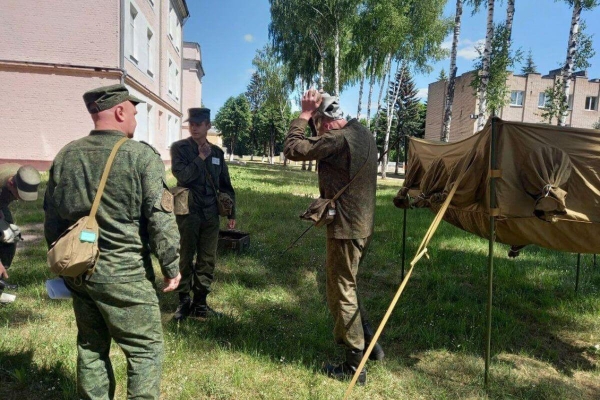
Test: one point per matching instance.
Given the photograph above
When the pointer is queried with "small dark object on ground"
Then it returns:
(234, 240)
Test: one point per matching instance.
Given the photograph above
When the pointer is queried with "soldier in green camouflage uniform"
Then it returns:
(16, 183)
(200, 167)
(118, 302)
(342, 148)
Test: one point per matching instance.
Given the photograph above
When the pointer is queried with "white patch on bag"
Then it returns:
(216, 161)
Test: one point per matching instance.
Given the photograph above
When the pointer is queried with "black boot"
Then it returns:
(201, 310)
(377, 352)
(184, 307)
(345, 371)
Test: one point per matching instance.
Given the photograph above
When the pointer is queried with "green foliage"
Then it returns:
(585, 49)
(596, 124)
(501, 59)
(443, 76)
(234, 120)
(556, 103)
(529, 67)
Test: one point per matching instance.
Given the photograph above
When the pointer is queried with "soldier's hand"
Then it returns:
(171, 283)
(3, 273)
(231, 224)
(310, 103)
(204, 150)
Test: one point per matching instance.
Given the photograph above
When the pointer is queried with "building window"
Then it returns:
(133, 13)
(151, 3)
(569, 102)
(150, 124)
(150, 45)
(542, 100)
(171, 76)
(174, 28)
(173, 129)
(591, 103)
(516, 98)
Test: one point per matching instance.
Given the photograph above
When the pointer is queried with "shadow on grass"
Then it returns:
(21, 379)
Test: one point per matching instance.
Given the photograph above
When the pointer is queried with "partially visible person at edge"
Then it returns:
(341, 149)
(16, 183)
(119, 300)
(199, 166)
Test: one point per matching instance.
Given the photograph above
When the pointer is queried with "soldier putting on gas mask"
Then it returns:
(347, 157)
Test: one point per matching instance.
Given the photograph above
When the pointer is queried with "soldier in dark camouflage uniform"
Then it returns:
(193, 160)
(16, 183)
(341, 148)
(135, 219)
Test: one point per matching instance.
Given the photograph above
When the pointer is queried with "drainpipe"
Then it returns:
(122, 43)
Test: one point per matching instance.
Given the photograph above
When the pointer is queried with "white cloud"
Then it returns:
(467, 48)
(249, 38)
(422, 94)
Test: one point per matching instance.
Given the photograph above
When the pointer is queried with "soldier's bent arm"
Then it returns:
(184, 171)
(225, 185)
(298, 147)
(54, 226)
(158, 209)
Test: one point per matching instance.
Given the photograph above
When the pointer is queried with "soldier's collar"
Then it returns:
(110, 132)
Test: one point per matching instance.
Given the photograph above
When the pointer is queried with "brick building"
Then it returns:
(53, 51)
(526, 103)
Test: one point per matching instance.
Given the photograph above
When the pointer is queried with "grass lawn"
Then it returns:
(277, 331)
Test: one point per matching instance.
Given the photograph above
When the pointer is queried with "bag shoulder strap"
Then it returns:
(338, 194)
(211, 182)
(103, 180)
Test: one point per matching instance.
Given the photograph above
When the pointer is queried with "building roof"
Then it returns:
(182, 8)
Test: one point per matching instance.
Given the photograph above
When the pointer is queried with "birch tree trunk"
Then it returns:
(485, 71)
(510, 15)
(387, 70)
(363, 72)
(452, 79)
(567, 72)
(371, 85)
(336, 90)
(321, 73)
(392, 99)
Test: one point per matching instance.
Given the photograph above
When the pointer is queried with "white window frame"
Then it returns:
(591, 103)
(516, 100)
(133, 51)
(171, 79)
(570, 102)
(177, 78)
(544, 103)
(151, 39)
(171, 33)
(150, 111)
(151, 3)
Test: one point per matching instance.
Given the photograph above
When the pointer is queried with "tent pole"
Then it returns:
(493, 166)
(405, 213)
(577, 275)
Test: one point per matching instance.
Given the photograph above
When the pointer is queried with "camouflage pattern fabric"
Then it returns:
(127, 313)
(7, 250)
(135, 218)
(199, 237)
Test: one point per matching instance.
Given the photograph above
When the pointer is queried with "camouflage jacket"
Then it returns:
(341, 154)
(6, 197)
(135, 215)
(190, 171)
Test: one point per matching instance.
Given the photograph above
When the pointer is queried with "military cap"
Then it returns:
(198, 115)
(106, 97)
(27, 180)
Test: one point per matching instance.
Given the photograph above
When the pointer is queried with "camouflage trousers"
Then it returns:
(199, 237)
(343, 259)
(127, 313)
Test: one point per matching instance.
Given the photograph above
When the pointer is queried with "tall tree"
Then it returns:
(485, 67)
(256, 97)
(529, 67)
(234, 120)
(568, 67)
(452, 80)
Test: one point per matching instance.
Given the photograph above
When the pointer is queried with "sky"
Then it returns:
(231, 31)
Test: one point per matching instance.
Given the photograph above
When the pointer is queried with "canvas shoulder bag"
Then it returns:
(224, 201)
(322, 211)
(76, 251)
